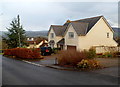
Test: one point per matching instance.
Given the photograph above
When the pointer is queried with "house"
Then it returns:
(81, 34)
(36, 42)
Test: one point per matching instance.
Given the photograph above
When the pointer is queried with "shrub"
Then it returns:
(89, 64)
(55, 50)
(83, 64)
(71, 57)
(22, 53)
(91, 53)
(108, 54)
(36, 53)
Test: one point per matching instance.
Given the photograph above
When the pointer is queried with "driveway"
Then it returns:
(16, 72)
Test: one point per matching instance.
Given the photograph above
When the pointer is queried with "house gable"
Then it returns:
(51, 31)
(83, 26)
(97, 36)
(55, 39)
(104, 25)
(71, 41)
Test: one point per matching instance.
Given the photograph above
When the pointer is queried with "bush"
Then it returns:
(89, 64)
(71, 57)
(22, 53)
(91, 53)
(108, 54)
(55, 50)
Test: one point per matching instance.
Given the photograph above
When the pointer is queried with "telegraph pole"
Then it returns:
(19, 31)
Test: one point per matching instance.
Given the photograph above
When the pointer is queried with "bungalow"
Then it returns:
(81, 34)
(36, 42)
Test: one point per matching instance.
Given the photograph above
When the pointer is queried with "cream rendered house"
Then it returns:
(82, 34)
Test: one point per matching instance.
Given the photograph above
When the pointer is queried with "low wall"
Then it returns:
(104, 49)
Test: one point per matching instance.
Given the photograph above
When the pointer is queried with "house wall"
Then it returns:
(71, 41)
(56, 38)
(97, 36)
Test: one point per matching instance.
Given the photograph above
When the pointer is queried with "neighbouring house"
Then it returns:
(36, 42)
(81, 34)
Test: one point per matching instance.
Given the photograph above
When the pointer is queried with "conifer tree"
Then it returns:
(16, 34)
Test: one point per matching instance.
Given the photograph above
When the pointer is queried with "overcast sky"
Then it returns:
(38, 16)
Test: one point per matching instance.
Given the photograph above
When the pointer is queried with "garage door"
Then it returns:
(71, 47)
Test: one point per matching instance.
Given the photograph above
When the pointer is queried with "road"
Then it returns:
(0, 70)
(17, 72)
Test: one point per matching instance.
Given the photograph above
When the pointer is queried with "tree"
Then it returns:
(4, 44)
(16, 34)
(118, 40)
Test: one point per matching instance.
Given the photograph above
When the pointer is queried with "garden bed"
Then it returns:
(83, 60)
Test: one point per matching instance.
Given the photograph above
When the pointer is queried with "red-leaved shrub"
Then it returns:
(23, 53)
(71, 57)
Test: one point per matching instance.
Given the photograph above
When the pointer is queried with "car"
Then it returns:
(46, 51)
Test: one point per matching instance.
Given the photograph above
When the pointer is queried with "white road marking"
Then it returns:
(32, 63)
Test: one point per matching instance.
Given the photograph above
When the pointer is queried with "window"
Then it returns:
(71, 34)
(52, 35)
(107, 35)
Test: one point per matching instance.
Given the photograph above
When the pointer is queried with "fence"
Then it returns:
(104, 49)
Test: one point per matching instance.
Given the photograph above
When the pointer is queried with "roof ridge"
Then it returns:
(57, 25)
(79, 22)
(88, 18)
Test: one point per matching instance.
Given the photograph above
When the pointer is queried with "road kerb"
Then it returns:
(50, 66)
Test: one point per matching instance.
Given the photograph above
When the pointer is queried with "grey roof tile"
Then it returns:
(92, 21)
(81, 26)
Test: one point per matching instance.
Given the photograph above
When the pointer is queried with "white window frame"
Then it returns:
(70, 34)
(108, 35)
(52, 35)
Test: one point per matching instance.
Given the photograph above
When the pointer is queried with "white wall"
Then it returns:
(71, 41)
(97, 36)
(56, 38)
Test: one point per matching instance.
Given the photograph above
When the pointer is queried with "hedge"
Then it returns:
(23, 53)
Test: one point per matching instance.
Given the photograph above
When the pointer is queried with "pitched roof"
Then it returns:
(91, 21)
(58, 29)
(51, 42)
(81, 26)
(61, 42)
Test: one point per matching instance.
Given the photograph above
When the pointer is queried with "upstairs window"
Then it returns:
(71, 34)
(52, 35)
(108, 35)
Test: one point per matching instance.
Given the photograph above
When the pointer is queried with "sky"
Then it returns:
(38, 15)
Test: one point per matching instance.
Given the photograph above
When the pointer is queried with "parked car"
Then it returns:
(46, 51)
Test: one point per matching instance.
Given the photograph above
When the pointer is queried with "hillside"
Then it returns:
(44, 33)
(29, 33)
(36, 33)
(117, 32)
